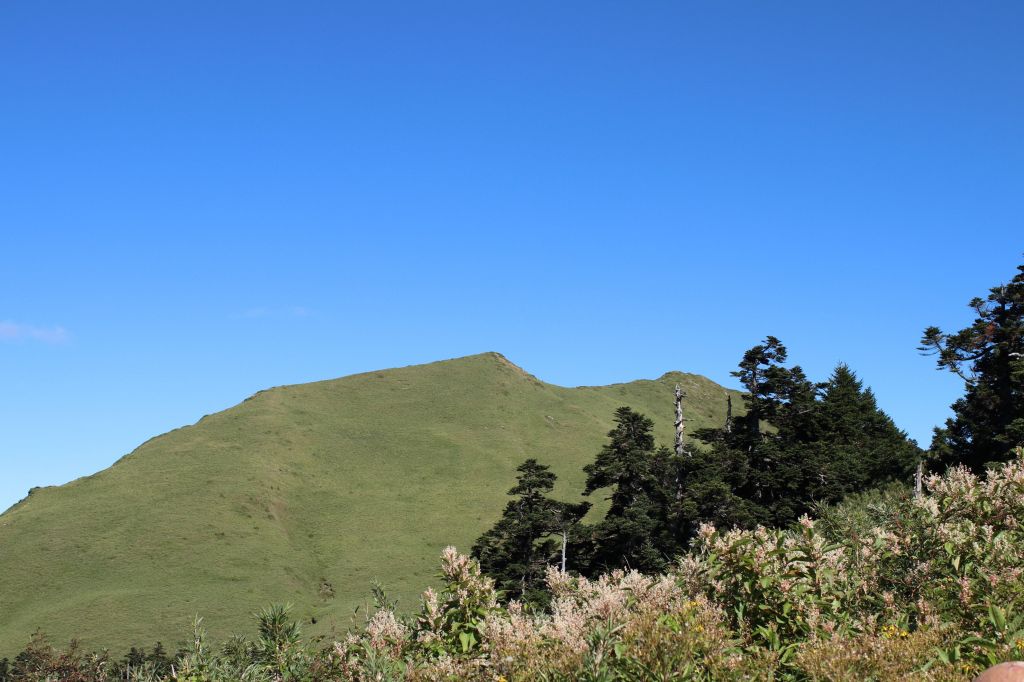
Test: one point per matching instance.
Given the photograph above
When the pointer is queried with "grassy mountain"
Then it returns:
(302, 494)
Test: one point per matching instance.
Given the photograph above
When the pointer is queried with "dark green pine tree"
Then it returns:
(798, 443)
(134, 659)
(633, 531)
(711, 480)
(780, 404)
(518, 549)
(856, 444)
(159, 660)
(988, 421)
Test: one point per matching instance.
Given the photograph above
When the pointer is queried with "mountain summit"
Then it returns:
(303, 494)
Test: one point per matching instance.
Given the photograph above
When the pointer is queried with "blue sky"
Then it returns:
(200, 200)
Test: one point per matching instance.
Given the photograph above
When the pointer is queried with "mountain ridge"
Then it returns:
(303, 493)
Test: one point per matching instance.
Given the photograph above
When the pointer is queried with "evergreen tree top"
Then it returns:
(624, 459)
(534, 479)
(988, 355)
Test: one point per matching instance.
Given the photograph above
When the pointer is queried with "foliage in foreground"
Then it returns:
(898, 588)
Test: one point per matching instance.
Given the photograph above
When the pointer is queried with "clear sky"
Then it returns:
(200, 199)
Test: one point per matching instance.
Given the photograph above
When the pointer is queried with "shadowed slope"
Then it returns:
(303, 494)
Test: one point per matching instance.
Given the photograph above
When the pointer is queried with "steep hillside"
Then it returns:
(302, 494)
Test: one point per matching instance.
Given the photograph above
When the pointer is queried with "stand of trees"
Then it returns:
(40, 660)
(798, 443)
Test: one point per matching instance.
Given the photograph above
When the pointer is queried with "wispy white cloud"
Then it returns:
(289, 311)
(17, 331)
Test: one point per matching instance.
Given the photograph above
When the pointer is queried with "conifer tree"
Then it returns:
(519, 548)
(857, 443)
(780, 405)
(710, 494)
(988, 421)
(632, 532)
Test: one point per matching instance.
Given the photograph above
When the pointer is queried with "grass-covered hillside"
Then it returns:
(303, 494)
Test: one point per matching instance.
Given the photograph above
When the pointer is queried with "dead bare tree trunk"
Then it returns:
(564, 539)
(680, 448)
(919, 479)
(680, 422)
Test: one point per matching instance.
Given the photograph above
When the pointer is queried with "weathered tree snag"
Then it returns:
(564, 541)
(680, 422)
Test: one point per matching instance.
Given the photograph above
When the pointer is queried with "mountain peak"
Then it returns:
(339, 482)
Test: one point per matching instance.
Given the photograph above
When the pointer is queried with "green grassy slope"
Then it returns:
(338, 482)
